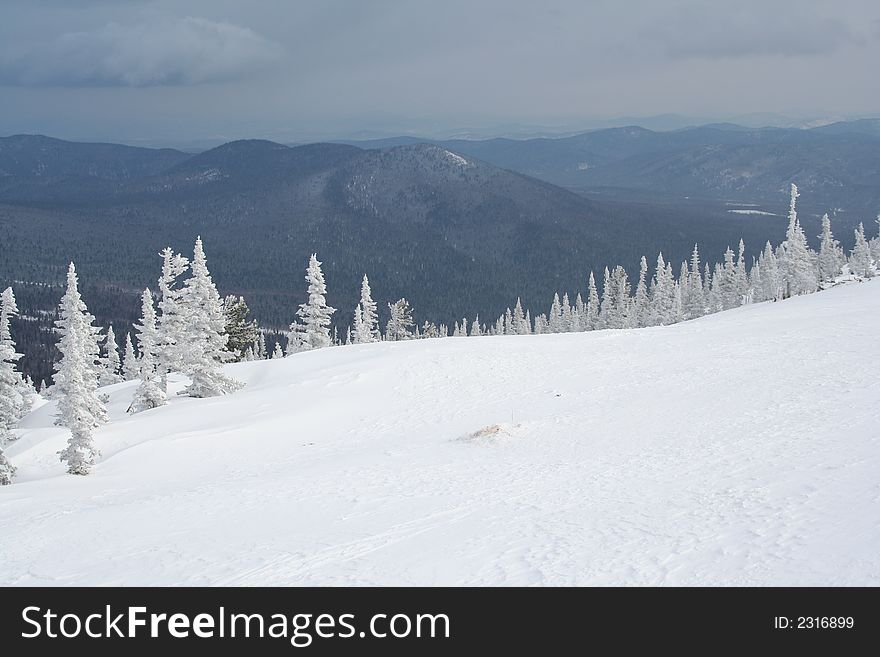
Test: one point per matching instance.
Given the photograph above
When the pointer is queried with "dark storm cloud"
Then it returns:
(182, 51)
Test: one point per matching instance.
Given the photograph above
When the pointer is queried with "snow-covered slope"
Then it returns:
(741, 448)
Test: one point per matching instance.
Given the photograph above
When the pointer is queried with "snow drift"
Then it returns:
(740, 448)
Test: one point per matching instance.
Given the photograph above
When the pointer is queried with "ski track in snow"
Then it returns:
(738, 449)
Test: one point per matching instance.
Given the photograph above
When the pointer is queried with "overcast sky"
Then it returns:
(177, 71)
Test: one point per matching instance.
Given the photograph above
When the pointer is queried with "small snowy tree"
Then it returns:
(592, 318)
(640, 303)
(242, 331)
(150, 392)
(401, 322)
(555, 316)
(831, 257)
(171, 323)
(130, 366)
(80, 409)
(277, 352)
(741, 277)
(771, 277)
(521, 325)
(367, 325)
(315, 313)
(360, 334)
(11, 388)
(110, 362)
(695, 298)
(726, 283)
(259, 347)
(860, 262)
(797, 263)
(7, 471)
(662, 295)
(206, 332)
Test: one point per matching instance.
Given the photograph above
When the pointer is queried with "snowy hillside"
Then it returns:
(740, 448)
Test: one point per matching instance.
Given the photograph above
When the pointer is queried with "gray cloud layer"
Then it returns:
(297, 69)
(184, 51)
(740, 31)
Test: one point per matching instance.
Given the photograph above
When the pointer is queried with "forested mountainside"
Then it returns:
(837, 165)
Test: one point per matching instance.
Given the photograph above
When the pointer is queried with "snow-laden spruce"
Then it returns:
(110, 361)
(172, 323)
(861, 263)
(831, 256)
(7, 470)
(150, 392)
(400, 323)
(366, 320)
(130, 367)
(20, 393)
(243, 335)
(312, 330)
(15, 394)
(203, 349)
(80, 408)
(797, 259)
(12, 394)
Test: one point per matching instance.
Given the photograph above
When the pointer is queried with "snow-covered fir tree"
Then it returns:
(476, 330)
(831, 256)
(206, 336)
(80, 408)
(771, 277)
(556, 318)
(366, 317)
(860, 261)
(741, 278)
(874, 244)
(695, 297)
(277, 352)
(241, 330)
(796, 263)
(580, 311)
(400, 324)
(313, 328)
(297, 339)
(7, 470)
(726, 280)
(359, 332)
(592, 318)
(662, 295)
(640, 304)
(10, 395)
(259, 347)
(617, 314)
(520, 325)
(150, 392)
(172, 321)
(130, 366)
(110, 362)
(568, 320)
(14, 397)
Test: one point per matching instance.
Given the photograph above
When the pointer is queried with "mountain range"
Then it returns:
(837, 165)
(458, 228)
